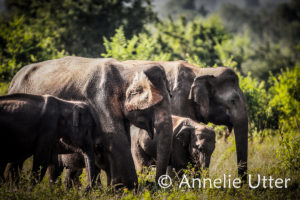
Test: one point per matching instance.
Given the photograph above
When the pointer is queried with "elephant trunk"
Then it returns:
(240, 125)
(164, 128)
(90, 166)
(203, 161)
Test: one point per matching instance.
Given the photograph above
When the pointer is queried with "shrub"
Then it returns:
(285, 92)
(21, 45)
(139, 47)
(257, 102)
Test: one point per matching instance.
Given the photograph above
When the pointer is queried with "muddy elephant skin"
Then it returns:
(122, 94)
(34, 124)
(209, 95)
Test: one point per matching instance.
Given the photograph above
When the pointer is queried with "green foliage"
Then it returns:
(174, 40)
(288, 152)
(285, 91)
(276, 107)
(235, 51)
(262, 50)
(274, 34)
(265, 58)
(193, 39)
(3, 88)
(141, 47)
(257, 102)
(261, 154)
(21, 45)
(82, 24)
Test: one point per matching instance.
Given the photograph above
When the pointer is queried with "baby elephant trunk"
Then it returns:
(89, 161)
(204, 161)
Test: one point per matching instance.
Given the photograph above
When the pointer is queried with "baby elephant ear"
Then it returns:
(142, 94)
(183, 133)
(75, 116)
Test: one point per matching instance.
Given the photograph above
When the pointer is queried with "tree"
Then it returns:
(21, 45)
(82, 24)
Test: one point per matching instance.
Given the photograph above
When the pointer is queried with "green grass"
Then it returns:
(262, 160)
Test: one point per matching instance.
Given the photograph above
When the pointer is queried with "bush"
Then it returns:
(21, 45)
(3, 88)
(257, 102)
(288, 152)
(195, 41)
(139, 47)
(285, 92)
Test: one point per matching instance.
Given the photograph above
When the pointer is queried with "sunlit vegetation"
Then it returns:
(264, 55)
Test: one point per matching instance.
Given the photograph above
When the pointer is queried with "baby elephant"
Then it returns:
(34, 125)
(192, 143)
(73, 163)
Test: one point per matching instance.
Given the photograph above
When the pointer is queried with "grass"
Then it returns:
(262, 160)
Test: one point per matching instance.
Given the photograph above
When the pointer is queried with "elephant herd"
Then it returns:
(103, 114)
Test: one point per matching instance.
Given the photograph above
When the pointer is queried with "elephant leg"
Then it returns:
(75, 177)
(14, 171)
(68, 181)
(138, 162)
(108, 178)
(54, 172)
(72, 177)
(40, 164)
(2, 169)
(98, 178)
(55, 168)
(140, 159)
(170, 171)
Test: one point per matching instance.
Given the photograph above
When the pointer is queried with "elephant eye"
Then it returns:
(232, 102)
(201, 149)
(139, 89)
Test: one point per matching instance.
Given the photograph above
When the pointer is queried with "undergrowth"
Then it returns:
(265, 159)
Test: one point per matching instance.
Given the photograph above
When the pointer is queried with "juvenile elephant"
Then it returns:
(33, 125)
(122, 94)
(192, 143)
(209, 95)
(73, 163)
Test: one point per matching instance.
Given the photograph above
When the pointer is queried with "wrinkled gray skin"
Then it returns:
(73, 163)
(209, 95)
(122, 94)
(33, 125)
(192, 143)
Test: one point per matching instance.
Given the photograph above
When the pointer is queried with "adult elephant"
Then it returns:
(121, 94)
(209, 95)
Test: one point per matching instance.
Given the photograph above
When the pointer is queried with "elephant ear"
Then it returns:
(183, 133)
(142, 94)
(200, 92)
(76, 112)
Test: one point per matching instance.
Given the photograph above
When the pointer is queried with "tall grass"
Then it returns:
(262, 160)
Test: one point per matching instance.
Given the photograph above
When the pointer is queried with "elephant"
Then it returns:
(34, 124)
(122, 94)
(193, 143)
(73, 163)
(208, 95)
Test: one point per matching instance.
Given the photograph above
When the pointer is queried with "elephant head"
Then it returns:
(217, 98)
(147, 106)
(198, 140)
(80, 133)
